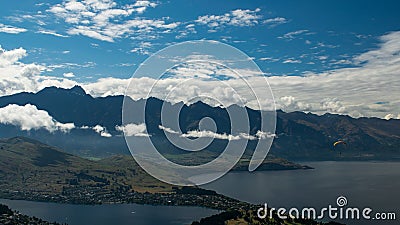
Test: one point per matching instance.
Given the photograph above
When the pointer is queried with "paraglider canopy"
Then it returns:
(339, 142)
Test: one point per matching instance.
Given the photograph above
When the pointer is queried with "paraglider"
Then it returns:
(339, 142)
(336, 144)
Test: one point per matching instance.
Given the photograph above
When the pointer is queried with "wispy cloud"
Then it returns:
(272, 22)
(51, 32)
(211, 134)
(189, 29)
(268, 59)
(291, 61)
(70, 65)
(167, 129)
(143, 48)
(238, 17)
(11, 29)
(294, 34)
(38, 19)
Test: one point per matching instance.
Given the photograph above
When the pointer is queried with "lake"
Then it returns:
(121, 214)
(364, 184)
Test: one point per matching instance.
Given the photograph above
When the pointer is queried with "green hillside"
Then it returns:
(27, 165)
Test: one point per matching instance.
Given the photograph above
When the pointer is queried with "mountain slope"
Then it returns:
(29, 166)
(300, 136)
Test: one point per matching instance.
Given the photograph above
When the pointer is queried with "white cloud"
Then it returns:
(71, 65)
(189, 29)
(272, 22)
(238, 17)
(108, 86)
(101, 130)
(11, 57)
(105, 134)
(143, 48)
(38, 19)
(269, 59)
(389, 116)
(293, 34)
(11, 30)
(98, 129)
(386, 54)
(87, 31)
(167, 129)
(211, 134)
(28, 117)
(138, 130)
(289, 103)
(353, 91)
(145, 4)
(69, 75)
(322, 57)
(263, 135)
(106, 20)
(332, 106)
(392, 116)
(51, 32)
(16, 76)
(291, 61)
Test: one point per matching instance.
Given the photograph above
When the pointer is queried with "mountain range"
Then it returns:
(299, 135)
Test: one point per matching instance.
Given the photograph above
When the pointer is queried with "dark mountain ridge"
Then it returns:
(300, 136)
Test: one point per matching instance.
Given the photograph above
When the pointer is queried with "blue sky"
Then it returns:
(335, 29)
(84, 41)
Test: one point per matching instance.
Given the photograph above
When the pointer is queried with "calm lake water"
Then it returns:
(364, 184)
(132, 214)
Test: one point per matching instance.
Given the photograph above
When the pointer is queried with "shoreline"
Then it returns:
(211, 201)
